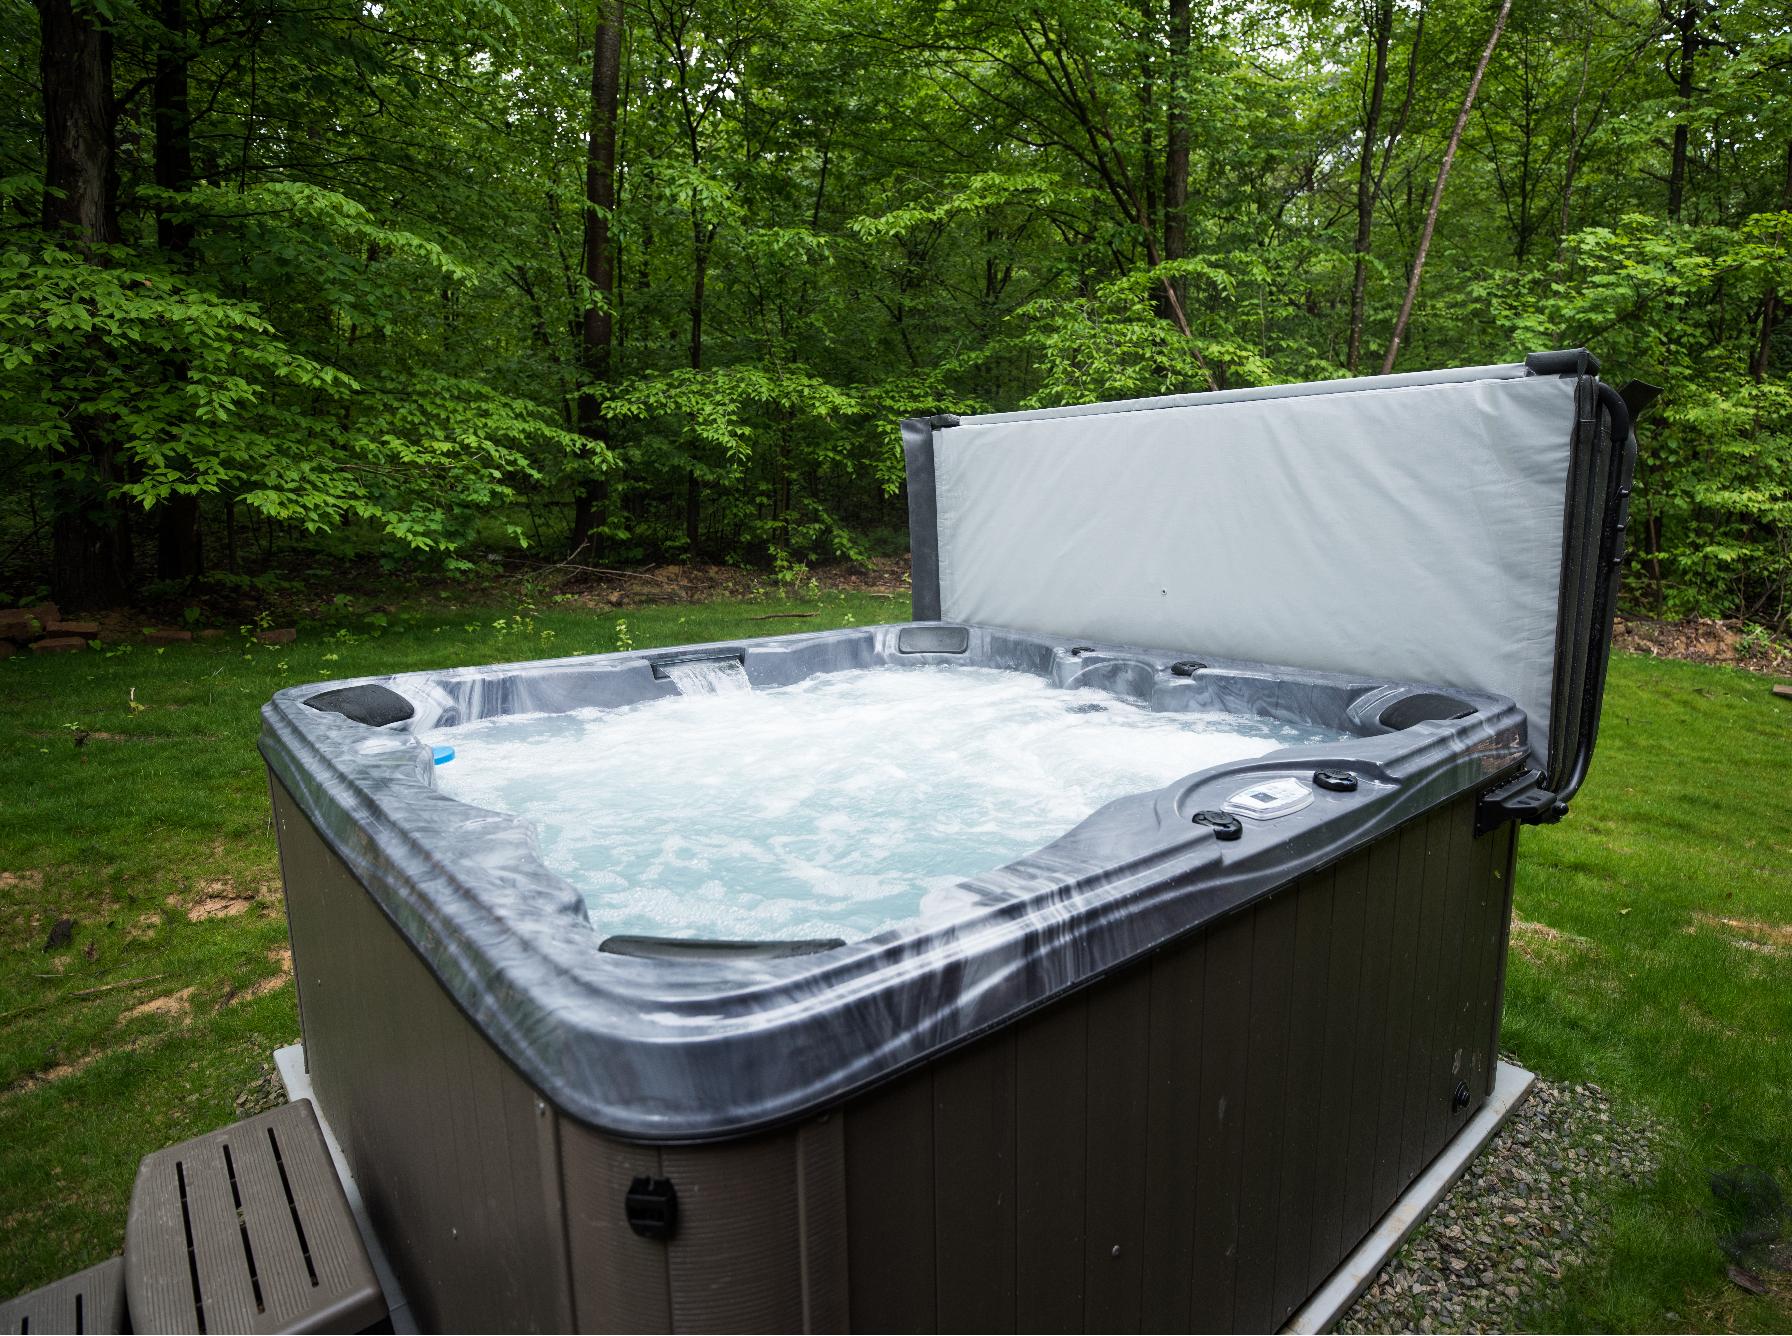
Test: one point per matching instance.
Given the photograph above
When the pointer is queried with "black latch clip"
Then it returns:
(1522, 799)
(652, 1208)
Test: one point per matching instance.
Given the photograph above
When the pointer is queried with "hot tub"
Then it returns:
(1163, 1070)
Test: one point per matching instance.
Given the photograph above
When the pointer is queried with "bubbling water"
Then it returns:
(844, 805)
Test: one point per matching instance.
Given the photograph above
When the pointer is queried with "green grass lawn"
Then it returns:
(1660, 966)
(1654, 953)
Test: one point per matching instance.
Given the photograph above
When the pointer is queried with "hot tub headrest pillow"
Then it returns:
(370, 704)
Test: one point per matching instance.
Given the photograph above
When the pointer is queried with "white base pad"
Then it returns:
(1358, 1271)
(290, 1061)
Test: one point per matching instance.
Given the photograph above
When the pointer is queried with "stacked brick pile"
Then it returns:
(41, 629)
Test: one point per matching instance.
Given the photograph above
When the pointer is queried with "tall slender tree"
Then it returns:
(180, 553)
(91, 563)
(597, 319)
(1437, 190)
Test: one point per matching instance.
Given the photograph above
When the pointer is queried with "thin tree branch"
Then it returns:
(1437, 191)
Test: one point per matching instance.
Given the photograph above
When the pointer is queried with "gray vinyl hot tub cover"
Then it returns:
(1408, 527)
(680, 1050)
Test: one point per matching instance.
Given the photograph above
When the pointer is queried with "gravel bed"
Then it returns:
(266, 1091)
(1528, 1209)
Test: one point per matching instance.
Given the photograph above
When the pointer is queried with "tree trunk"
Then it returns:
(693, 500)
(596, 322)
(1176, 143)
(1688, 26)
(80, 168)
(1148, 178)
(173, 126)
(1381, 32)
(1771, 303)
(1574, 143)
(180, 549)
(80, 205)
(1437, 191)
(180, 554)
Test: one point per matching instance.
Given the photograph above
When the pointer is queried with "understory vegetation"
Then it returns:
(1652, 948)
(654, 279)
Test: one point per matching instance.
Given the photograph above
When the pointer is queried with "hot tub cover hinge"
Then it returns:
(1520, 799)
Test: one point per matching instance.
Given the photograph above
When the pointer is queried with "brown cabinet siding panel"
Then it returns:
(889, 1202)
(1172, 1114)
(1505, 861)
(1266, 1112)
(620, 1281)
(1479, 964)
(1338, 1064)
(735, 1263)
(415, 1095)
(1409, 905)
(821, 1221)
(1115, 1135)
(1381, 888)
(1230, 1114)
(1306, 1034)
(1449, 1057)
(1051, 1117)
(1419, 1103)
(974, 1117)
(1219, 1133)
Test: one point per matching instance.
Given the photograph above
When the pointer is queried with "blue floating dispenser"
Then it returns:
(441, 755)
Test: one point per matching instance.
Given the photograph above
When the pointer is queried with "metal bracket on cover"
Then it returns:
(1522, 799)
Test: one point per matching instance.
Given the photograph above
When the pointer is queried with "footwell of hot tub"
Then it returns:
(1195, 1141)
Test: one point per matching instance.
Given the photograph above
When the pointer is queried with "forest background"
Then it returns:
(414, 285)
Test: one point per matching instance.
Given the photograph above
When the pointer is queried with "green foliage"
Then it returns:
(1117, 345)
(829, 215)
(1714, 491)
(200, 394)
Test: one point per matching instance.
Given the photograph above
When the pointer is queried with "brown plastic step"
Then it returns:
(90, 1300)
(246, 1229)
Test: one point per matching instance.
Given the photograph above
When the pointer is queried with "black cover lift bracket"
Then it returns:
(1522, 799)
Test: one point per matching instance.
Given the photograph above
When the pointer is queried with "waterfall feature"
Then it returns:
(707, 677)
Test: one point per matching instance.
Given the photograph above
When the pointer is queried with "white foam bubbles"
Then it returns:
(831, 808)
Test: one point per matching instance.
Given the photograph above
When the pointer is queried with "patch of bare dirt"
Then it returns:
(29, 880)
(601, 586)
(1540, 943)
(82, 736)
(1702, 640)
(174, 1006)
(1772, 939)
(262, 987)
(219, 897)
(211, 907)
(282, 957)
(62, 1070)
(1704, 1022)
